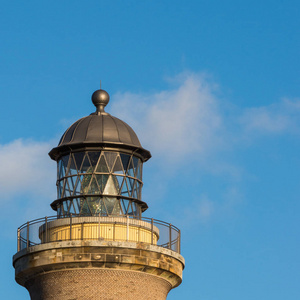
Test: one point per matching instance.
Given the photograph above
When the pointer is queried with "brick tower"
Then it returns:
(98, 246)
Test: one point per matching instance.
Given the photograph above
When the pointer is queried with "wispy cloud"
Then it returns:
(202, 211)
(277, 118)
(205, 209)
(188, 122)
(177, 122)
(26, 169)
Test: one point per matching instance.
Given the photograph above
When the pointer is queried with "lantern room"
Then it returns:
(99, 166)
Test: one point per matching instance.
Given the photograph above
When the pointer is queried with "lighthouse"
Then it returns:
(98, 245)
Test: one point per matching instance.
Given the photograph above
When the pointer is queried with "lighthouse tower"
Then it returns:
(98, 245)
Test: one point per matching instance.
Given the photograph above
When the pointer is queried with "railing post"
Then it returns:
(19, 240)
(99, 228)
(114, 231)
(82, 231)
(27, 237)
(152, 231)
(139, 233)
(127, 229)
(179, 236)
(70, 227)
(170, 236)
(46, 230)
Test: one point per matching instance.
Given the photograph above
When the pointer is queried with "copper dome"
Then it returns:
(99, 130)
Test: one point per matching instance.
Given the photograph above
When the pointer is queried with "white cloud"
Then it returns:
(26, 169)
(177, 122)
(205, 209)
(276, 118)
(189, 121)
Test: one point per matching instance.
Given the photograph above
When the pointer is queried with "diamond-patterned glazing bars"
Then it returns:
(97, 182)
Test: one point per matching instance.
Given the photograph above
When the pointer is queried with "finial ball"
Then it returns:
(100, 98)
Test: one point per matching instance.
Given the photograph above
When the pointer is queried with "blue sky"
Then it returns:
(211, 87)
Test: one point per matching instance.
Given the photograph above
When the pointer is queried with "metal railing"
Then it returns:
(41, 231)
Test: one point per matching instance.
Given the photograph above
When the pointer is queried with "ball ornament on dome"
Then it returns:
(100, 99)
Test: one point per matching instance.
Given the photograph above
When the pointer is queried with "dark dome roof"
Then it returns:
(99, 129)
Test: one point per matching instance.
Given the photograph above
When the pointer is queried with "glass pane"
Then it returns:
(94, 157)
(129, 211)
(134, 208)
(139, 170)
(65, 161)
(101, 180)
(124, 204)
(86, 165)
(110, 203)
(85, 210)
(110, 158)
(94, 204)
(61, 169)
(69, 204)
(130, 185)
(60, 188)
(81, 177)
(124, 189)
(130, 170)
(72, 209)
(93, 187)
(117, 208)
(138, 189)
(135, 161)
(125, 160)
(85, 183)
(78, 157)
(122, 212)
(102, 166)
(62, 209)
(66, 206)
(102, 208)
(72, 172)
(66, 192)
(134, 191)
(71, 183)
(118, 182)
(118, 167)
(59, 212)
(111, 187)
(76, 203)
(77, 186)
(72, 167)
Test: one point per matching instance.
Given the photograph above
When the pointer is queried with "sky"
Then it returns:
(212, 88)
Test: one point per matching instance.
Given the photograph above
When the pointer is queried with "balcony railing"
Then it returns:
(111, 228)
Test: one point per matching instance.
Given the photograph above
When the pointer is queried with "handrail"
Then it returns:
(161, 234)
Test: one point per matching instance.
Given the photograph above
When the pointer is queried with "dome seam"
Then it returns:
(87, 127)
(73, 134)
(62, 140)
(129, 131)
(117, 130)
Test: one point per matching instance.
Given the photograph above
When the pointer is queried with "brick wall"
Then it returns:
(105, 284)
